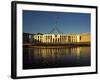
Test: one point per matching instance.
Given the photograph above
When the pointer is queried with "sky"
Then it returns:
(44, 22)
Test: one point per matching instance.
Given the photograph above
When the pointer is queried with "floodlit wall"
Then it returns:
(85, 37)
(62, 38)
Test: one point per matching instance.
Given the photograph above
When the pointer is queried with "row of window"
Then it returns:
(71, 38)
(50, 37)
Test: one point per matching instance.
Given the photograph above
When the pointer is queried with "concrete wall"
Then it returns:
(62, 38)
(85, 37)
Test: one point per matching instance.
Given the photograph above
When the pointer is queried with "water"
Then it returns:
(35, 58)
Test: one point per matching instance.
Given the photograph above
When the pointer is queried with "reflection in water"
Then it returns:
(55, 57)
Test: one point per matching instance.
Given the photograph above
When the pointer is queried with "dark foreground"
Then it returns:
(53, 57)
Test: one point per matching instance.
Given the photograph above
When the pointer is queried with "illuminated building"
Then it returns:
(61, 38)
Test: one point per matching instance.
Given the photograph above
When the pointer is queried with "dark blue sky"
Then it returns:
(44, 22)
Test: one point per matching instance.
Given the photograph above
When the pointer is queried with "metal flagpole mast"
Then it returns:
(56, 27)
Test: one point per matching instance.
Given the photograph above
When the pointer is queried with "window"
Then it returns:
(55, 35)
(80, 37)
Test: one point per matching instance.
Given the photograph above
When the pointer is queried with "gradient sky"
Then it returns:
(44, 22)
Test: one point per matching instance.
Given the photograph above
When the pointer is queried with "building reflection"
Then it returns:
(56, 57)
(75, 52)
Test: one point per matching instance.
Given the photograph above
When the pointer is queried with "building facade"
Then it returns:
(61, 38)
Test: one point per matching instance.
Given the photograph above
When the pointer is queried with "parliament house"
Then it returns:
(61, 38)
